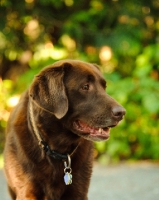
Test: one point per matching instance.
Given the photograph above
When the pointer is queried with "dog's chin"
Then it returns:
(91, 133)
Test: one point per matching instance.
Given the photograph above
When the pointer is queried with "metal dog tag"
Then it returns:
(67, 171)
(68, 178)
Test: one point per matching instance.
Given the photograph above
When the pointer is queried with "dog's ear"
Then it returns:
(48, 91)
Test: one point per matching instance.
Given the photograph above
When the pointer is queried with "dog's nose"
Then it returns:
(118, 111)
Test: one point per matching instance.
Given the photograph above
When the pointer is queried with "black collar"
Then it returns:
(52, 153)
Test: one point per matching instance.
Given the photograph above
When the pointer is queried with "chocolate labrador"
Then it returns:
(49, 142)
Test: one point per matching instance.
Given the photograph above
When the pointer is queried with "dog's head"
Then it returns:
(74, 92)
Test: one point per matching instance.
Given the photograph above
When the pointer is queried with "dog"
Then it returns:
(48, 153)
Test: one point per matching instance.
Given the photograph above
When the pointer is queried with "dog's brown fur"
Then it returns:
(61, 94)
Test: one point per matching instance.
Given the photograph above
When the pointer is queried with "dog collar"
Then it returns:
(66, 158)
(52, 153)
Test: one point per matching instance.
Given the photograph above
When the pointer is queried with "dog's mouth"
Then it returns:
(92, 133)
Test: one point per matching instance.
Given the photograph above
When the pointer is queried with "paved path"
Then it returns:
(122, 182)
(125, 182)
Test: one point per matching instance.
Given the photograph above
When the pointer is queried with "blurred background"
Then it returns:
(120, 36)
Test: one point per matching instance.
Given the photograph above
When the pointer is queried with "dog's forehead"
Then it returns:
(86, 68)
(79, 68)
(82, 72)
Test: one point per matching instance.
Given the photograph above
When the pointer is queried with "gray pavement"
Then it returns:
(122, 182)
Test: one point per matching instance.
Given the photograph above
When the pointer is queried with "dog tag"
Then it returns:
(68, 178)
(67, 171)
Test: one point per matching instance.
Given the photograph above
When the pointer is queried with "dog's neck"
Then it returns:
(66, 158)
(42, 143)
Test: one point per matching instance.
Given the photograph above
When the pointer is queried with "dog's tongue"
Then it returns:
(92, 130)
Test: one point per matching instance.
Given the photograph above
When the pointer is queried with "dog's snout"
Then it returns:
(118, 111)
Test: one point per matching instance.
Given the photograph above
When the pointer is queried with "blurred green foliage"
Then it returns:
(121, 36)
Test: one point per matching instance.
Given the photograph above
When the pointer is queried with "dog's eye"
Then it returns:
(85, 87)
